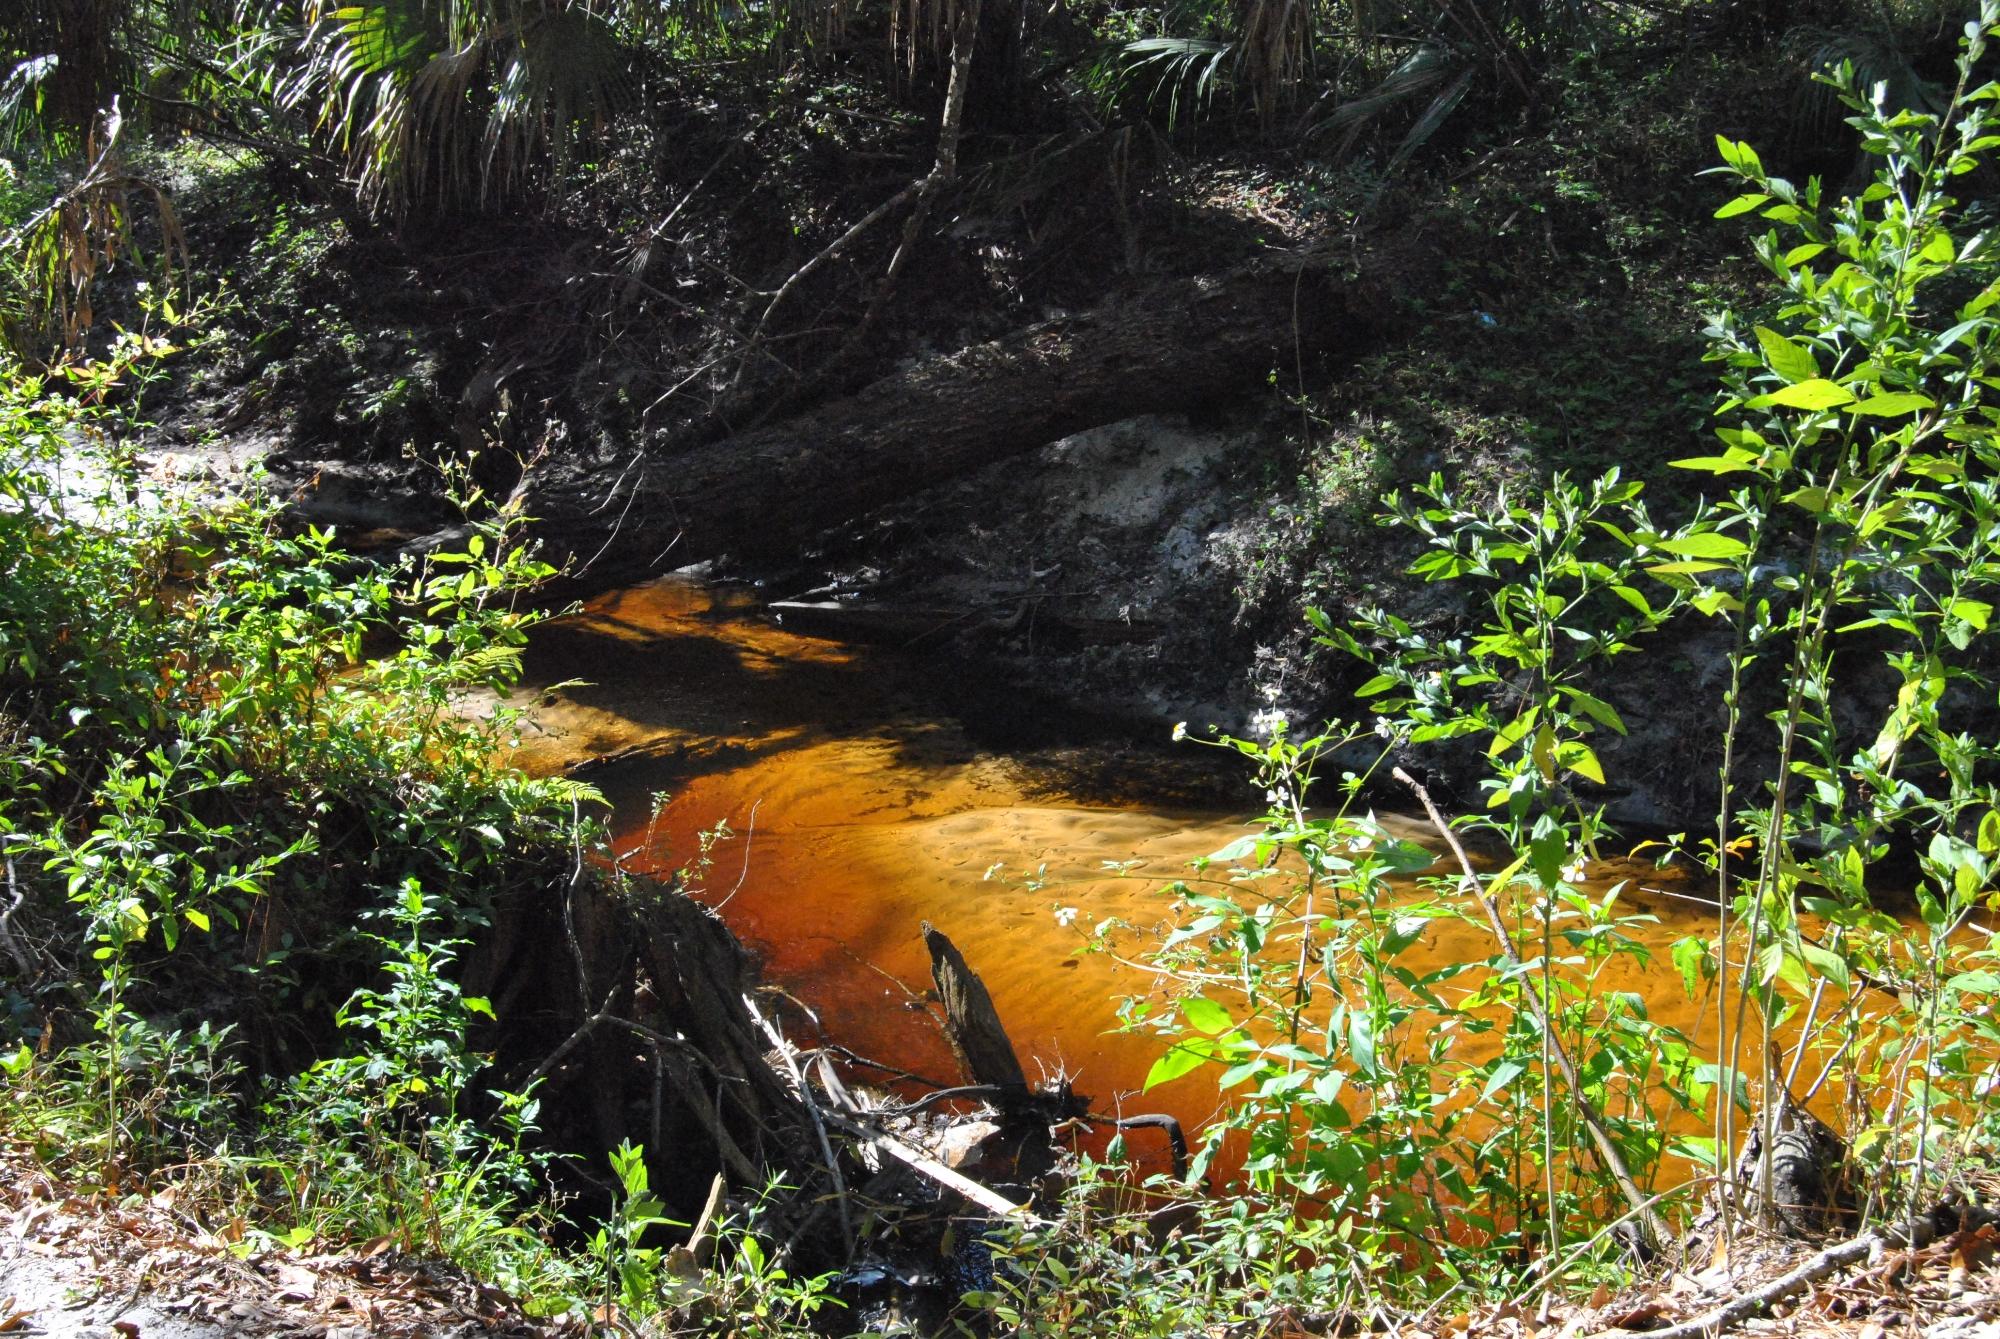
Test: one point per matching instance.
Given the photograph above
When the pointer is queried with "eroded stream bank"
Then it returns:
(865, 792)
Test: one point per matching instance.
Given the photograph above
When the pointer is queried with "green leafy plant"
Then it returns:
(1859, 526)
(634, 1280)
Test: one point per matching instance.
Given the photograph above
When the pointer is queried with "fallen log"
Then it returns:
(1178, 346)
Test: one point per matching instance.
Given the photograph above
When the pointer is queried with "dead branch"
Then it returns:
(832, 252)
(990, 1200)
(944, 171)
(1920, 1231)
(805, 1092)
(972, 1024)
(13, 946)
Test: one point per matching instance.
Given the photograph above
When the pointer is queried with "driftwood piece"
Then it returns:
(604, 970)
(971, 1023)
(990, 1200)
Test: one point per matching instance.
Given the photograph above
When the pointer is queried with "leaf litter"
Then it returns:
(96, 1265)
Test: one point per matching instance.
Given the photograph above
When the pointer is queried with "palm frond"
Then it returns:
(1874, 59)
(23, 99)
(443, 101)
(1274, 51)
(1176, 68)
(1420, 74)
(55, 258)
(564, 70)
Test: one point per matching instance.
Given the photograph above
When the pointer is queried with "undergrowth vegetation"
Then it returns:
(1490, 1127)
(247, 830)
(249, 837)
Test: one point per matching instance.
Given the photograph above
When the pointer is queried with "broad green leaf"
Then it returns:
(1238, 849)
(1685, 569)
(1513, 732)
(1633, 598)
(1943, 469)
(1893, 405)
(1712, 602)
(1697, 1149)
(1205, 1015)
(1503, 1076)
(1742, 204)
(1815, 394)
(1704, 544)
(1544, 752)
(1361, 1042)
(1811, 499)
(1691, 958)
(1791, 360)
(1176, 1062)
(1597, 709)
(1975, 612)
(1403, 857)
(1732, 463)
(1582, 760)
(1828, 963)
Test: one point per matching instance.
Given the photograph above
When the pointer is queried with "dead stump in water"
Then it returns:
(971, 1024)
(1805, 1192)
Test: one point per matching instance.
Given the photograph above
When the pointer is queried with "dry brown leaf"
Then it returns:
(1645, 1316)
(13, 1318)
(1599, 1297)
(295, 1278)
(1972, 1249)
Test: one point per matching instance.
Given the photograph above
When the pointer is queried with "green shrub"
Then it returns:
(1857, 526)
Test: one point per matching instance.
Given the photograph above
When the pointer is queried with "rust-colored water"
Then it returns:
(865, 795)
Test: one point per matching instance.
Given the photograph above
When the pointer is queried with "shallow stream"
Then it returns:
(866, 791)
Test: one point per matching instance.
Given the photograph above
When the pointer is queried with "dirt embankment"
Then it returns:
(1061, 454)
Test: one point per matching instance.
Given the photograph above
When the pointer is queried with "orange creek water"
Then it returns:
(866, 792)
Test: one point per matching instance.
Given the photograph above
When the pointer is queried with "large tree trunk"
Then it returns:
(1182, 345)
